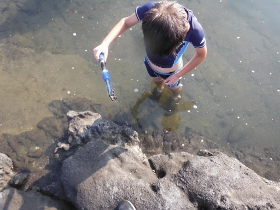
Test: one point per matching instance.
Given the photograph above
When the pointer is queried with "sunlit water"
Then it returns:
(233, 97)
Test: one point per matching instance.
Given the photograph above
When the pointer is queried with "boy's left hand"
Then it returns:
(171, 80)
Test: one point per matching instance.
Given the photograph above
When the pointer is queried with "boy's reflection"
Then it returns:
(169, 109)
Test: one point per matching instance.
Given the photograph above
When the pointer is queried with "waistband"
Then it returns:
(163, 73)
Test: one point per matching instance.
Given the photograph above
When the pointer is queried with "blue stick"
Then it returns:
(106, 77)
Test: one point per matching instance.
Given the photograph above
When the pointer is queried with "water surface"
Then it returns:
(232, 97)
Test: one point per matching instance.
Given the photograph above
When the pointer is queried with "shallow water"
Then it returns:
(232, 97)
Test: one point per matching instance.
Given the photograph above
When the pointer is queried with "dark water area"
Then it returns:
(233, 97)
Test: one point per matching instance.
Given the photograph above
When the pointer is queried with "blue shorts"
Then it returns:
(153, 73)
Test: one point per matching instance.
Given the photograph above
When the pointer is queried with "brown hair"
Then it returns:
(164, 27)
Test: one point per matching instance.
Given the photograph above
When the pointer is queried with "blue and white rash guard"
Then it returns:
(195, 36)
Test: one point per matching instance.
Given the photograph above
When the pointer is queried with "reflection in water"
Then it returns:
(170, 119)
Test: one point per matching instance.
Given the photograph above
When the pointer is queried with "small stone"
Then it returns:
(35, 152)
(19, 179)
(205, 153)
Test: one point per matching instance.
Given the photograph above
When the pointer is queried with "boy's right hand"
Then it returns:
(102, 48)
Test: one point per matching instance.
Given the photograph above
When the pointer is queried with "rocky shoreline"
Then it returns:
(99, 163)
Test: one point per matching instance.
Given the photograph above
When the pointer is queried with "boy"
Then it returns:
(168, 27)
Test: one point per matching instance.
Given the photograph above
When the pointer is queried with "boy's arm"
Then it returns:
(124, 24)
(199, 56)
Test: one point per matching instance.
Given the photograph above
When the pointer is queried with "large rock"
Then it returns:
(216, 181)
(99, 175)
(107, 166)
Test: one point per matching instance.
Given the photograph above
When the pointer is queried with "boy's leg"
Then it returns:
(176, 92)
(159, 83)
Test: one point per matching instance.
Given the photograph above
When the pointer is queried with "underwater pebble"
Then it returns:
(238, 37)
(195, 106)
(74, 34)
(135, 90)
(68, 92)
(35, 152)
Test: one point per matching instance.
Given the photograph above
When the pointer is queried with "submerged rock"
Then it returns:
(35, 152)
(19, 179)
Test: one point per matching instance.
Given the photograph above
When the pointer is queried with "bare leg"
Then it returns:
(176, 92)
(159, 83)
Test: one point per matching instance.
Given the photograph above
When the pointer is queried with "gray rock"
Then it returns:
(87, 126)
(221, 182)
(99, 175)
(6, 170)
(79, 125)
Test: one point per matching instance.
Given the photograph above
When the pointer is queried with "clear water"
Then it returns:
(233, 97)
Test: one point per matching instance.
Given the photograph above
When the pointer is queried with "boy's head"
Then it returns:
(164, 27)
